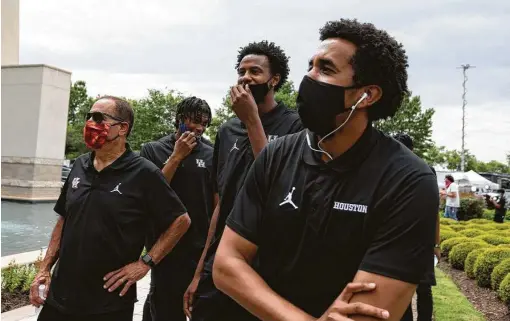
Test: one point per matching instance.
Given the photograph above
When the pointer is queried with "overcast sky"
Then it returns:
(125, 47)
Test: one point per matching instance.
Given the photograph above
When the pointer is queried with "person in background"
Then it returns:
(499, 207)
(424, 300)
(451, 193)
(107, 208)
(186, 162)
(336, 203)
(262, 68)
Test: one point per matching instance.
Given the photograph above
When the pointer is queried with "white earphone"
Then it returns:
(320, 150)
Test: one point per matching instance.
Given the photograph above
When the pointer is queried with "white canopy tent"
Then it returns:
(467, 179)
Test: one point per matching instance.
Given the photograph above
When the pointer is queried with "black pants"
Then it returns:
(49, 313)
(168, 284)
(424, 302)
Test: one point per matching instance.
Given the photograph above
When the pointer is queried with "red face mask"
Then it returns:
(95, 135)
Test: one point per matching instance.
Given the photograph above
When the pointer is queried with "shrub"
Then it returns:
(459, 252)
(470, 208)
(18, 278)
(486, 263)
(499, 273)
(505, 233)
(463, 222)
(494, 239)
(458, 227)
(480, 221)
(469, 264)
(471, 232)
(447, 245)
(447, 221)
(485, 227)
(500, 227)
(504, 245)
(504, 289)
(445, 235)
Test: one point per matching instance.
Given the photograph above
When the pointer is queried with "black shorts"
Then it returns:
(49, 313)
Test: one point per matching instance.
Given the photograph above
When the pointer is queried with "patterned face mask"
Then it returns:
(96, 135)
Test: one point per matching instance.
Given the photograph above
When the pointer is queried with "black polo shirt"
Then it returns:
(374, 208)
(233, 156)
(108, 215)
(192, 182)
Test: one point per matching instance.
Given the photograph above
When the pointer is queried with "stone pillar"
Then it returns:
(10, 32)
(35, 102)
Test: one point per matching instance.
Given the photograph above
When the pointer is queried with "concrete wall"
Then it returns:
(35, 101)
(10, 32)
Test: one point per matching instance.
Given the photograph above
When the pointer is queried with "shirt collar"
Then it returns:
(349, 160)
(272, 116)
(117, 164)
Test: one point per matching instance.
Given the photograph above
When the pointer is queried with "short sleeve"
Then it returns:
(146, 152)
(296, 127)
(60, 206)
(402, 246)
(163, 204)
(246, 215)
(214, 170)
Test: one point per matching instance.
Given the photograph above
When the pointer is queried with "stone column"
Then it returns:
(10, 32)
(35, 102)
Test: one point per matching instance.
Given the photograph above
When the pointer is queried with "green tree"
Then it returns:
(154, 116)
(287, 94)
(412, 120)
(79, 104)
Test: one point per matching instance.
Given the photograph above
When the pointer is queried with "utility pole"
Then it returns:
(464, 103)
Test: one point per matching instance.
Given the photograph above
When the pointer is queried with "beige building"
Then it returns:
(35, 100)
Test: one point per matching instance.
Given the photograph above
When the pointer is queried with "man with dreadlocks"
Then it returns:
(186, 162)
(262, 69)
(339, 202)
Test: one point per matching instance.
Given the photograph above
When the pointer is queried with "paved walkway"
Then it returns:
(28, 313)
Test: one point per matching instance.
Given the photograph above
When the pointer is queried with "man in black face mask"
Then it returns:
(339, 202)
(262, 69)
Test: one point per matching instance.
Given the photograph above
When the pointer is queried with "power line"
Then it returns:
(464, 103)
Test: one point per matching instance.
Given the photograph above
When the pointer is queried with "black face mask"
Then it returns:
(259, 91)
(318, 103)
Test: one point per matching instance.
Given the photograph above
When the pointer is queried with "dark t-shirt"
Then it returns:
(232, 159)
(372, 209)
(500, 213)
(193, 185)
(107, 217)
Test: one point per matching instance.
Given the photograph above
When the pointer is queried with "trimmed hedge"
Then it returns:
(469, 264)
(500, 227)
(494, 239)
(504, 233)
(459, 252)
(486, 263)
(447, 245)
(471, 232)
(471, 208)
(445, 235)
(499, 273)
(485, 227)
(458, 227)
(447, 221)
(504, 290)
(479, 221)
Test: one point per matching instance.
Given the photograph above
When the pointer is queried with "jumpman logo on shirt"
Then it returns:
(235, 146)
(116, 189)
(288, 199)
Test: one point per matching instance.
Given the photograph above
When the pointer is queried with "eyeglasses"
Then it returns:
(99, 117)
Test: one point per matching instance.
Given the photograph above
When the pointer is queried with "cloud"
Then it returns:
(191, 46)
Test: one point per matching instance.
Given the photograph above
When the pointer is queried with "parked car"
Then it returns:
(65, 172)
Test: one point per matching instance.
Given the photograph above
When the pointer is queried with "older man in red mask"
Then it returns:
(109, 203)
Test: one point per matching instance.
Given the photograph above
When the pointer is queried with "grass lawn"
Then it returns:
(450, 304)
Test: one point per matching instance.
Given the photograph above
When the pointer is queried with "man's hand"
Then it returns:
(43, 277)
(184, 145)
(189, 296)
(243, 104)
(129, 274)
(341, 309)
(437, 253)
